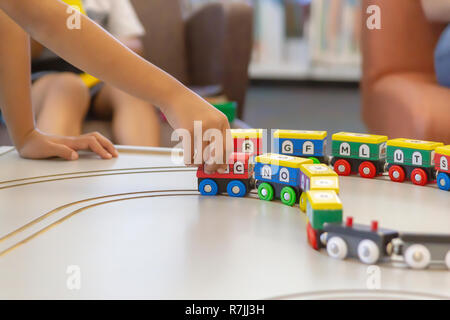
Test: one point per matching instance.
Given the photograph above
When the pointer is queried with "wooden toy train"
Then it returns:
(300, 173)
(368, 155)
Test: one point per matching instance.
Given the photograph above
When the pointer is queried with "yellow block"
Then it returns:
(300, 134)
(443, 150)
(76, 3)
(89, 80)
(359, 137)
(324, 200)
(321, 169)
(282, 160)
(324, 183)
(246, 133)
(414, 144)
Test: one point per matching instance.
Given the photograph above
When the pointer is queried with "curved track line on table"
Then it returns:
(90, 176)
(80, 210)
(7, 151)
(65, 206)
(73, 213)
(96, 171)
(330, 294)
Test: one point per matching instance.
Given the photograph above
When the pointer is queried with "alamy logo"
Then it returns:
(74, 277)
(373, 281)
(74, 20)
(374, 20)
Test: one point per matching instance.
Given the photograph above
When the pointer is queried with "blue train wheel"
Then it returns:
(208, 187)
(443, 181)
(236, 188)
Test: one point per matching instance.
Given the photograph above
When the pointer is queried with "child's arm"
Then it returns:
(91, 49)
(437, 10)
(15, 101)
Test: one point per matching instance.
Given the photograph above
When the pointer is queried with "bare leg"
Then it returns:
(61, 102)
(135, 121)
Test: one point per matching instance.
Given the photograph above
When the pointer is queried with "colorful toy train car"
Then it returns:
(356, 152)
(237, 181)
(412, 160)
(316, 177)
(368, 243)
(248, 141)
(442, 160)
(322, 207)
(278, 176)
(301, 143)
(419, 250)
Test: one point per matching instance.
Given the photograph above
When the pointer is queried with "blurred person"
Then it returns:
(406, 70)
(92, 49)
(439, 11)
(62, 100)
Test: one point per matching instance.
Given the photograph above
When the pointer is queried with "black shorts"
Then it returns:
(57, 65)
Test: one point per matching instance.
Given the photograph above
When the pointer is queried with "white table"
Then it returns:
(135, 227)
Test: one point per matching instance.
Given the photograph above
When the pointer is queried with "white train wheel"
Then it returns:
(417, 256)
(337, 248)
(447, 259)
(368, 252)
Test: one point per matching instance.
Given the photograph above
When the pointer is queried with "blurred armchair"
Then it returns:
(401, 96)
(210, 48)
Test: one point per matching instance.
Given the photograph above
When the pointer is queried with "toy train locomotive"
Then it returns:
(237, 181)
(370, 244)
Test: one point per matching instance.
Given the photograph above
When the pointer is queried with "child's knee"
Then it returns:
(72, 86)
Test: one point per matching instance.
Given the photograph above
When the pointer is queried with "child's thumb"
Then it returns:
(64, 152)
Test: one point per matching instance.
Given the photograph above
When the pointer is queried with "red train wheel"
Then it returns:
(419, 177)
(367, 170)
(342, 167)
(312, 237)
(397, 174)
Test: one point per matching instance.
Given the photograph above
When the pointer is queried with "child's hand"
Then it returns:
(38, 145)
(182, 114)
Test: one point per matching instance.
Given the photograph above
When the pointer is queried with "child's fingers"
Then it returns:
(106, 144)
(62, 151)
(91, 143)
(96, 147)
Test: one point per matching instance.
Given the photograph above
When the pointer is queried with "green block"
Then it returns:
(228, 108)
(319, 217)
(358, 150)
(409, 157)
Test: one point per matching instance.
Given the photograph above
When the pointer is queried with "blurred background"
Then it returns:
(291, 64)
(305, 64)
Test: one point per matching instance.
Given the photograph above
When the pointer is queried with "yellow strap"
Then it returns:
(76, 3)
(89, 80)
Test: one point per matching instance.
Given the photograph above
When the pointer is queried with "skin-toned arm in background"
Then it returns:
(15, 100)
(91, 49)
(437, 10)
(401, 96)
